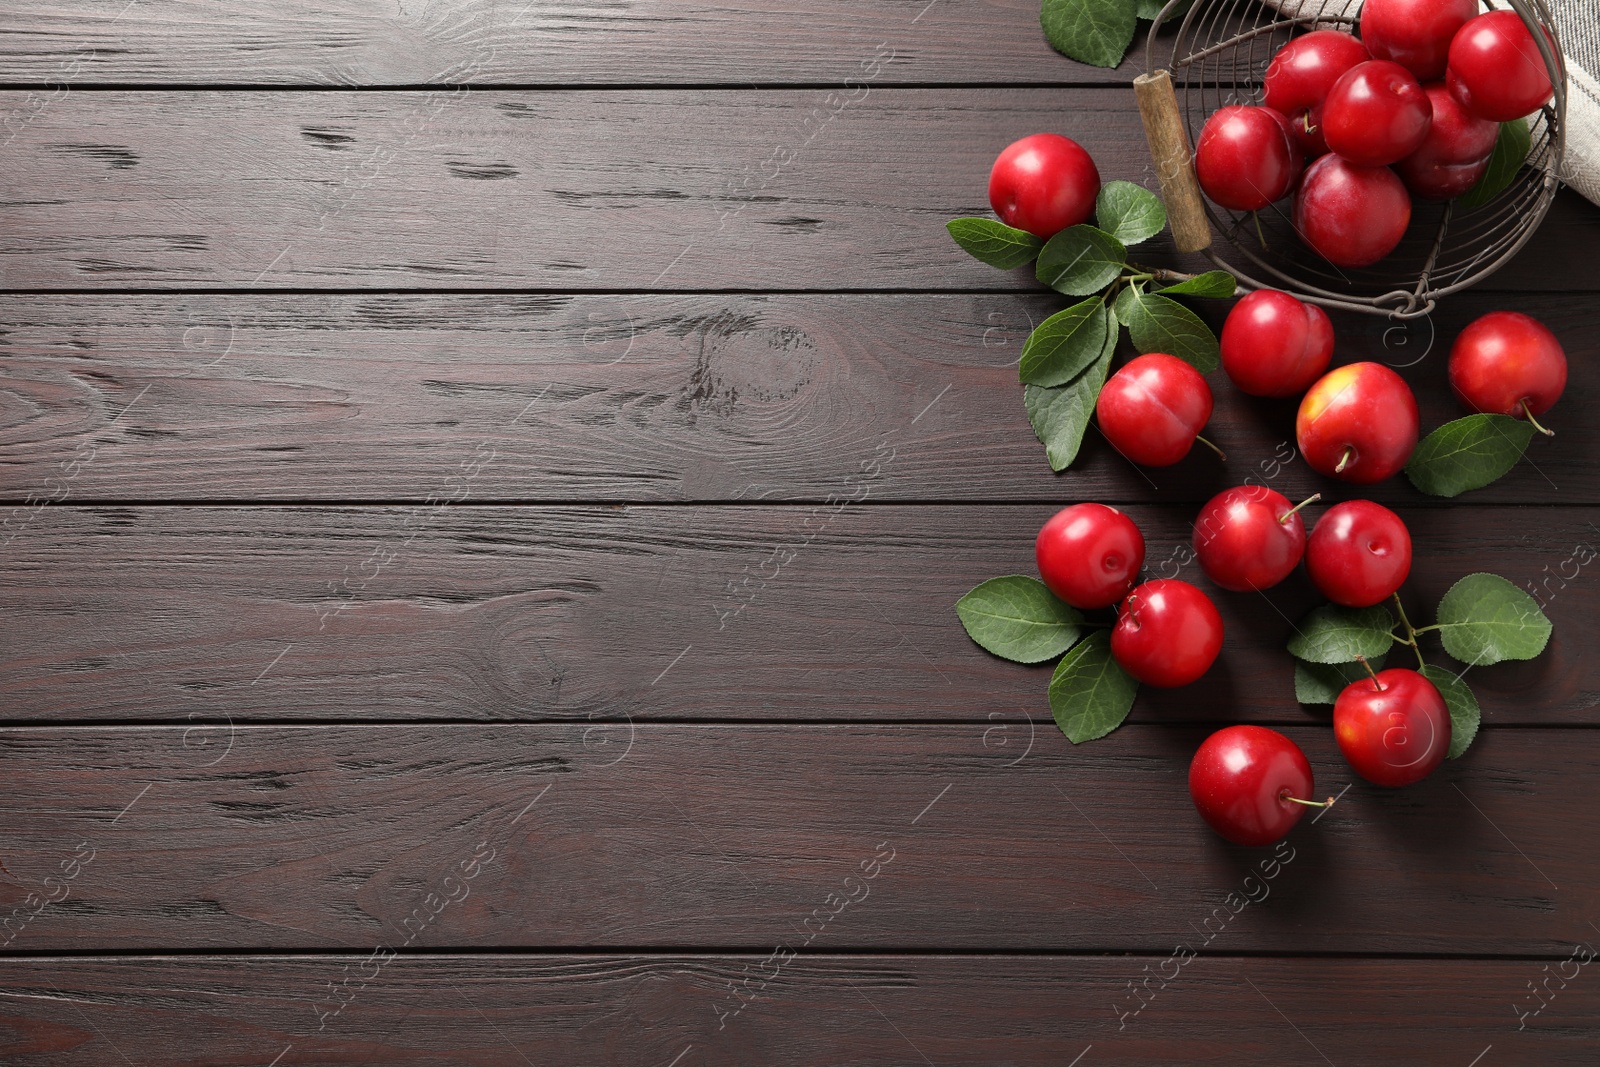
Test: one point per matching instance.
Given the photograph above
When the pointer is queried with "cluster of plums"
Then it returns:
(1168, 632)
(1422, 91)
(1357, 422)
(1251, 783)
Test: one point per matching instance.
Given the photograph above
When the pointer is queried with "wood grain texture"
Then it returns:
(498, 628)
(452, 189)
(566, 613)
(662, 398)
(902, 1011)
(731, 836)
(546, 42)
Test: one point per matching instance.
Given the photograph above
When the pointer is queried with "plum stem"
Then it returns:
(1533, 421)
(1400, 609)
(1344, 460)
(1375, 683)
(1308, 803)
(1411, 631)
(1132, 608)
(1158, 274)
(1220, 454)
(1312, 499)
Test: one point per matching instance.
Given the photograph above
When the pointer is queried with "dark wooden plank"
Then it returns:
(790, 189)
(889, 1010)
(729, 836)
(562, 613)
(667, 42)
(670, 398)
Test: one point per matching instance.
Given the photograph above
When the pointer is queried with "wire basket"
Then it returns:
(1219, 56)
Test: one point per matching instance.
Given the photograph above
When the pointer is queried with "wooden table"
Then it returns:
(479, 569)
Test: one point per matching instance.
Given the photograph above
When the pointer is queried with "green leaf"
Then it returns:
(1218, 283)
(1468, 453)
(1464, 713)
(1090, 694)
(1321, 683)
(1484, 619)
(1158, 324)
(1018, 619)
(1065, 344)
(1151, 9)
(1122, 306)
(1129, 212)
(1096, 32)
(1509, 152)
(1331, 634)
(1060, 415)
(993, 242)
(1080, 260)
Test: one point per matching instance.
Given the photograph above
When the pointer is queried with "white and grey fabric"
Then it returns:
(1578, 30)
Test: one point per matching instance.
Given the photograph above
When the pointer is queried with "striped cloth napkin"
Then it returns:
(1578, 30)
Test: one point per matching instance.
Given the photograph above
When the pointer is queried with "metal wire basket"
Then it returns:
(1219, 56)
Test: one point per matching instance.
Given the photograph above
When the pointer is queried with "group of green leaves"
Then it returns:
(1483, 619)
(1018, 619)
(1068, 356)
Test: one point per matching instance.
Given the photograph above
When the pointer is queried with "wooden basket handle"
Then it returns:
(1174, 160)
